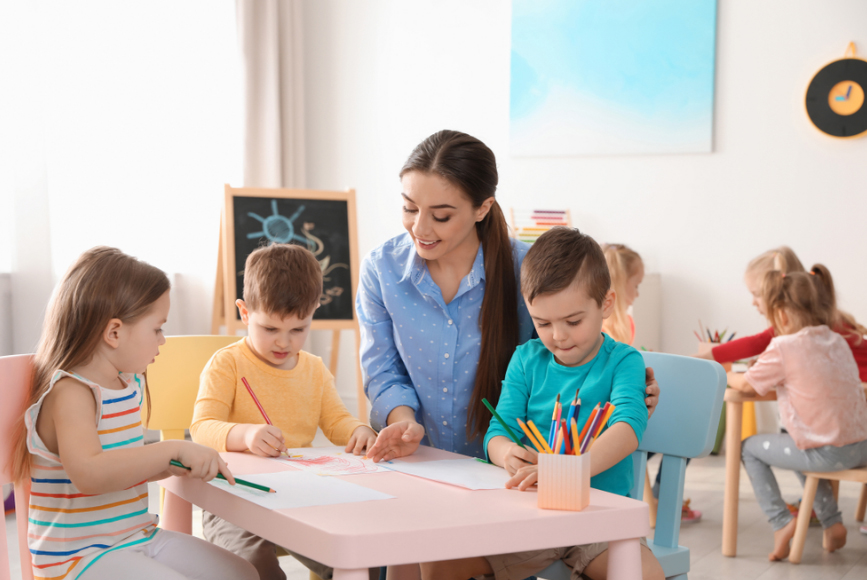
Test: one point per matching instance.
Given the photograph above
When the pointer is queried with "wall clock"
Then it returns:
(835, 97)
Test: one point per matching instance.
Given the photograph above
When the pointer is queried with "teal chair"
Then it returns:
(683, 426)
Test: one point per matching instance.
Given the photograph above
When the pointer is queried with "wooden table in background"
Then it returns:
(734, 418)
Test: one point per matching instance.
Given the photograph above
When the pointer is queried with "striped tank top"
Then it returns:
(68, 530)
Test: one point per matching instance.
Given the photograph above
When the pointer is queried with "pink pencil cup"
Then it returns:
(564, 482)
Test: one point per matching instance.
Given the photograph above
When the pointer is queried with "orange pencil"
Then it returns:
(530, 436)
(538, 435)
(576, 442)
(588, 423)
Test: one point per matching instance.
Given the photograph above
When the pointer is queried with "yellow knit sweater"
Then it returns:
(296, 401)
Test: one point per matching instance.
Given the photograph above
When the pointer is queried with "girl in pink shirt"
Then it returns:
(821, 401)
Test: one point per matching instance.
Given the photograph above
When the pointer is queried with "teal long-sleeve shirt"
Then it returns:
(534, 379)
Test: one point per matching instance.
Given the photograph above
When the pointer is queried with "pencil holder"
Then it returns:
(564, 482)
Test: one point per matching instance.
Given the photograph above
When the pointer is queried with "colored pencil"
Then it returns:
(256, 400)
(496, 415)
(709, 337)
(587, 424)
(538, 435)
(558, 441)
(553, 429)
(585, 443)
(530, 436)
(602, 424)
(731, 337)
(237, 480)
(697, 336)
(575, 441)
(567, 447)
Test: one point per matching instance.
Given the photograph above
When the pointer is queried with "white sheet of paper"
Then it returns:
(300, 489)
(330, 461)
(468, 473)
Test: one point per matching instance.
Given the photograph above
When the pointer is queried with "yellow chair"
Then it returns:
(173, 383)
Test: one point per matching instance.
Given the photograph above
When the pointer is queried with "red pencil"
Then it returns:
(256, 400)
(565, 436)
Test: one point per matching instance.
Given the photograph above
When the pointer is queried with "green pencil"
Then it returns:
(511, 433)
(237, 479)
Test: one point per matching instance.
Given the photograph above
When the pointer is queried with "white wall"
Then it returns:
(382, 75)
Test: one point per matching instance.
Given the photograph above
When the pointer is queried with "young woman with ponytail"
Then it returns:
(439, 306)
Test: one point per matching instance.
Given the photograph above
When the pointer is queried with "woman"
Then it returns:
(439, 307)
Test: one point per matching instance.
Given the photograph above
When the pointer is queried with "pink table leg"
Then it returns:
(624, 560)
(343, 574)
(404, 572)
(177, 514)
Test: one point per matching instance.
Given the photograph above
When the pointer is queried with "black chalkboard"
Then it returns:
(320, 225)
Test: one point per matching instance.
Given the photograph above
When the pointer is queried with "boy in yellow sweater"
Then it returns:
(282, 286)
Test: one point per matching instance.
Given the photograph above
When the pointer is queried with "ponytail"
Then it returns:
(470, 165)
(840, 321)
(797, 295)
(498, 318)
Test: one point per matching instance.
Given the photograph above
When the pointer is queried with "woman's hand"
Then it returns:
(204, 463)
(397, 440)
(517, 457)
(652, 392)
(362, 439)
(264, 440)
(524, 477)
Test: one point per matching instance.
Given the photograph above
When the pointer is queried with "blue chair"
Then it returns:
(683, 426)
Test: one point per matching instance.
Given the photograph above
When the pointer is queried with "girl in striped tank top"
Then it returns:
(81, 440)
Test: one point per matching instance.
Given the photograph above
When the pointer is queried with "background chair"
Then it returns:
(683, 426)
(15, 373)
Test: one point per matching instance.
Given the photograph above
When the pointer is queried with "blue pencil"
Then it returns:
(573, 410)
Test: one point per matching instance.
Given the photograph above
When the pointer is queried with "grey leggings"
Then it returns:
(760, 452)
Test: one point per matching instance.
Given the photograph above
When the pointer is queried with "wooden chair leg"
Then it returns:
(835, 488)
(862, 504)
(804, 511)
(650, 500)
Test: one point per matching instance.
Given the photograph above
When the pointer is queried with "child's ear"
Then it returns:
(242, 308)
(608, 304)
(111, 335)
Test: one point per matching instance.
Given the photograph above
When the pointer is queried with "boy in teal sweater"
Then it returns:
(567, 289)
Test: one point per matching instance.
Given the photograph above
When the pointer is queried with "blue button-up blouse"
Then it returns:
(418, 351)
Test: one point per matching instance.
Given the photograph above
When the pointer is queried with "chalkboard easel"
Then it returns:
(323, 222)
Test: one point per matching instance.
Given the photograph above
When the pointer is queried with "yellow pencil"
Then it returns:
(538, 435)
(530, 436)
(558, 440)
(576, 445)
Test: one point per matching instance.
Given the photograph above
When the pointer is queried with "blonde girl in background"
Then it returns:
(820, 397)
(627, 273)
(81, 440)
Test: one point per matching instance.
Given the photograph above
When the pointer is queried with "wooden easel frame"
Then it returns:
(224, 312)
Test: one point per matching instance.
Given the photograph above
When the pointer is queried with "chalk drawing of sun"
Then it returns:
(277, 228)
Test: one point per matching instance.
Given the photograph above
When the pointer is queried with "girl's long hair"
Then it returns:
(470, 165)
(623, 263)
(103, 284)
(782, 259)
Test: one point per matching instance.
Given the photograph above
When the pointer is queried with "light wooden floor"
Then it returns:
(704, 485)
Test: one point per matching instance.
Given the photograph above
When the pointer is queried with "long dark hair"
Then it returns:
(470, 165)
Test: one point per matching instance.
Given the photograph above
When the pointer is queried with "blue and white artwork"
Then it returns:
(597, 77)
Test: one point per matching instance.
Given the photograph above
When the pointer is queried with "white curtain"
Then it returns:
(270, 35)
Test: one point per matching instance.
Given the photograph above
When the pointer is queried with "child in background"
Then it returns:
(282, 288)
(81, 440)
(627, 273)
(784, 260)
(566, 286)
(821, 401)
